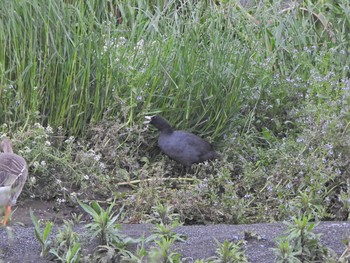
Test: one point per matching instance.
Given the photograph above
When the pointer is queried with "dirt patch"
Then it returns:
(42, 210)
(18, 244)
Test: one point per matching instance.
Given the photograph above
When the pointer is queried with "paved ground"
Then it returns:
(18, 244)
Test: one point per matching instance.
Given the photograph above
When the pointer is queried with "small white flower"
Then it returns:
(61, 200)
(289, 186)
(97, 157)
(43, 163)
(102, 166)
(122, 40)
(300, 139)
(86, 177)
(27, 149)
(91, 152)
(38, 125)
(69, 140)
(140, 43)
(49, 129)
(47, 143)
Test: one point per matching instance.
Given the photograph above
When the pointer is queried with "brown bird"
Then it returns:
(13, 174)
(182, 146)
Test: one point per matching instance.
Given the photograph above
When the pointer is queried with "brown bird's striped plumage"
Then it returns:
(13, 174)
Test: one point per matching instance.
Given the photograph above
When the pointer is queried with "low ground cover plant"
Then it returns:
(268, 85)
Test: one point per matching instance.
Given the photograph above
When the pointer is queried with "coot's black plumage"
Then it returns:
(181, 146)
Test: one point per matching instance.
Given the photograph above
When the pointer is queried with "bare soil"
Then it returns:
(18, 243)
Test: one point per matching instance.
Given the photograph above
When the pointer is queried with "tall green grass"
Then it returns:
(200, 64)
(272, 79)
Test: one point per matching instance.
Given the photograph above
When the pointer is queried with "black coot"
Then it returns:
(181, 146)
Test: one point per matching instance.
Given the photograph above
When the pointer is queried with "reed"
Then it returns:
(201, 64)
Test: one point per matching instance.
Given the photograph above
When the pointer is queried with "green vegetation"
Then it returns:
(268, 85)
(301, 244)
(66, 247)
(42, 236)
(229, 252)
(104, 223)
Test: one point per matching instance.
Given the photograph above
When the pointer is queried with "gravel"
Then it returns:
(18, 244)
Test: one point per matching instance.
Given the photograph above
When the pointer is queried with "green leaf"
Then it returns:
(73, 253)
(97, 208)
(88, 209)
(266, 133)
(34, 221)
(47, 231)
